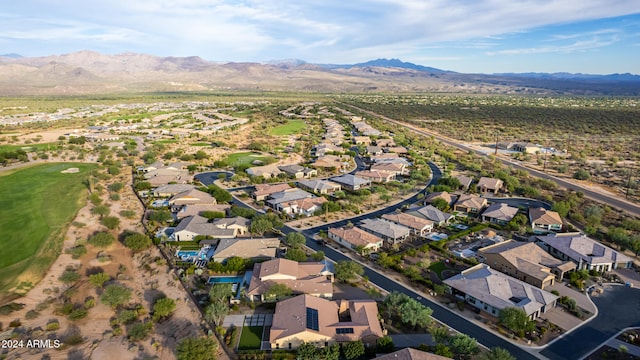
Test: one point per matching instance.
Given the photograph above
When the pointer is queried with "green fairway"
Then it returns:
(438, 267)
(29, 147)
(292, 127)
(36, 205)
(250, 338)
(243, 158)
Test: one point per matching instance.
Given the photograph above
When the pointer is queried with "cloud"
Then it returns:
(577, 46)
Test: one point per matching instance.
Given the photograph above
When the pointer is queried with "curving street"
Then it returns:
(594, 195)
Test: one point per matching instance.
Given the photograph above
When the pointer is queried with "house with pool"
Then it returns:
(313, 278)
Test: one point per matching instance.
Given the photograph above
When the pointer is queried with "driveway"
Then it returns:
(618, 308)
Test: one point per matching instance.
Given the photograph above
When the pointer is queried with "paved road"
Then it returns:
(622, 310)
(594, 195)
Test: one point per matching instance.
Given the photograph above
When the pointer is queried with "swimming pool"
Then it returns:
(225, 279)
(188, 255)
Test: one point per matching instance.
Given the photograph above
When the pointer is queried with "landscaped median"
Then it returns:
(36, 206)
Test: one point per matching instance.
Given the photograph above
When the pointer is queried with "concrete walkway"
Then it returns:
(631, 349)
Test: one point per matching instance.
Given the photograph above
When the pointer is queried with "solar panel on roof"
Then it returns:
(312, 319)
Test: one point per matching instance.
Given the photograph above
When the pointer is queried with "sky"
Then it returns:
(472, 36)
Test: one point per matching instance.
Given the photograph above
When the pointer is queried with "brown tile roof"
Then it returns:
(490, 183)
(268, 189)
(290, 318)
(543, 216)
(500, 211)
(411, 354)
(355, 236)
(407, 220)
(438, 195)
(304, 277)
(471, 201)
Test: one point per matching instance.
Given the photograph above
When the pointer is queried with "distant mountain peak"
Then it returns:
(287, 62)
(12, 55)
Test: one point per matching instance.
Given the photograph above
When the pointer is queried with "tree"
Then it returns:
(115, 187)
(137, 241)
(581, 175)
(142, 185)
(515, 319)
(296, 255)
(295, 239)
(353, 350)
(216, 311)
(101, 210)
(497, 353)
(236, 263)
(99, 279)
(163, 308)
(221, 195)
(101, 239)
(307, 351)
(111, 222)
(385, 344)
(562, 208)
(69, 277)
(318, 256)
(331, 352)
(441, 204)
(347, 270)
(260, 226)
(139, 330)
(440, 335)
(240, 211)
(115, 295)
(278, 291)
(464, 345)
(212, 214)
(443, 350)
(160, 216)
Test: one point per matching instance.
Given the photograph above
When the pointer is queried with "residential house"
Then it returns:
(355, 238)
(192, 197)
(258, 248)
(298, 171)
(351, 182)
(396, 149)
(499, 213)
(419, 226)
(489, 185)
(157, 175)
(491, 291)
(286, 196)
(385, 142)
(438, 195)
(376, 176)
(305, 207)
(197, 209)
(313, 278)
(383, 156)
(470, 204)
(544, 221)
(374, 150)
(432, 213)
(169, 190)
(525, 261)
(465, 182)
(196, 225)
(332, 162)
(585, 252)
(322, 187)
(326, 148)
(239, 223)
(362, 140)
(263, 191)
(310, 319)
(525, 147)
(265, 171)
(378, 159)
(391, 232)
(410, 354)
(392, 168)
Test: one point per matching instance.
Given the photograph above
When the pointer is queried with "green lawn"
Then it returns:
(438, 267)
(250, 338)
(243, 158)
(200, 144)
(36, 205)
(29, 147)
(292, 127)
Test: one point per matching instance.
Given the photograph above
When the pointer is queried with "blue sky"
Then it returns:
(485, 36)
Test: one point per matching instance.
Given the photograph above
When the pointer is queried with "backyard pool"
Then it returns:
(192, 255)
(225, 279)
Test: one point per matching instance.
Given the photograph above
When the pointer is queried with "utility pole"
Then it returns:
(496, 151)
(626, 195)
(546, 150)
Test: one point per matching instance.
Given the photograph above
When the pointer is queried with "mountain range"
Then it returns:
(88, 72)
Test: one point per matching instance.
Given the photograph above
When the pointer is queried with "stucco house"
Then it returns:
(544, 221)
(322, 187)
(354, 237)
(192, 197)
(499, 213)
(489, 185)
(192, 226)
(239, 223)
(258, 248)
(585, 252)
(419, 226)
(470, 204)
(310, 319)
(491, 291)
(298, 171)
(313, 278)
(391, 232)
(525, 261)
(262, 191)
(432, 213)
(351, 182)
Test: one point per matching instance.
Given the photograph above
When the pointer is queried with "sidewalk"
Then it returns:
(631, 349)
